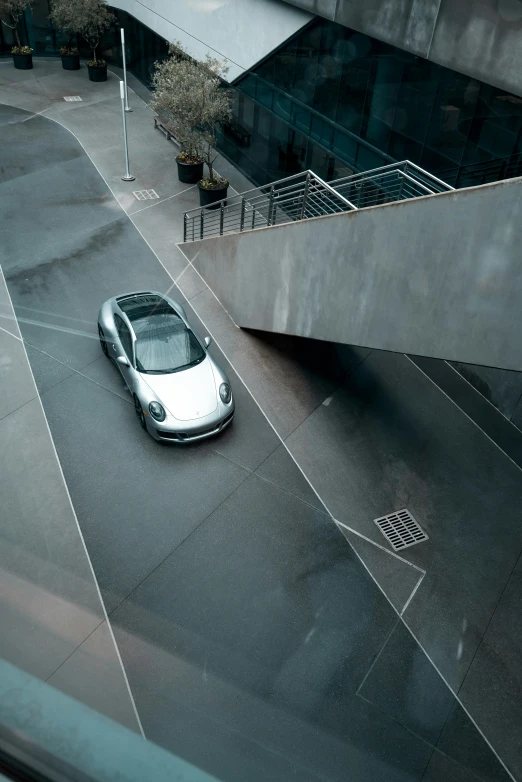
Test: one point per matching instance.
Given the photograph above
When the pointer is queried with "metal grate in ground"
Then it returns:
(145, 195)
(71, 98)
(400, 529)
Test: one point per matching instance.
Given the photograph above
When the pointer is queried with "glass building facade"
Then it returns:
(335, 101)
(143, 46)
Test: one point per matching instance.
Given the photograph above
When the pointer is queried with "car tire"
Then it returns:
(103, 341)
(140, 415)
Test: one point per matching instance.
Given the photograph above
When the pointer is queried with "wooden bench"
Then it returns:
(167, 131)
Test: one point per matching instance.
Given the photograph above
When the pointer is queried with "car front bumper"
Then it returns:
(166, 433)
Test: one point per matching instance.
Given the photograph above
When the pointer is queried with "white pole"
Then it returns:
(127, 107)
(128, 176)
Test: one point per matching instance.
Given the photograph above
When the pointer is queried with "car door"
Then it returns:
(123, 347)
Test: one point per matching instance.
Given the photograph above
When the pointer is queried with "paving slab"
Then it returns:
(492, 687)
(17, 382)
(137, 500)
(279, 610)
(397, 578)
(49, 600)
(93, 675)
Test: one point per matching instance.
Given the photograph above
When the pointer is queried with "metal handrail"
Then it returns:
(391, 167)
(254, 189)
(429, 176)
(304, 195)
(333, 190)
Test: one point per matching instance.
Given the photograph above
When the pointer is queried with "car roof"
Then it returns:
(148, 312)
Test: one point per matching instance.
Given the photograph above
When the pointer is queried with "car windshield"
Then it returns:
(166, 345)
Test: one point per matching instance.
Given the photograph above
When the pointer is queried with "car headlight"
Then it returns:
(225, 392)
(157, 411)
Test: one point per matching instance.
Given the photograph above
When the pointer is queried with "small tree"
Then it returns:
(66, 15)
(10, 13)
(93, 18)
(190, 94)
(173, 85)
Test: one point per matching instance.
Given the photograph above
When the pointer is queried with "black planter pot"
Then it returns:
(189, 173)
(97, 72)
(71, 62)
(23, 62)
(208, 196)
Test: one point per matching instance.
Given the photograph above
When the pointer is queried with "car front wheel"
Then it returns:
(139, 412)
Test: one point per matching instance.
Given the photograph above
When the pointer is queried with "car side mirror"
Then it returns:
(122, 360)
(208, 341)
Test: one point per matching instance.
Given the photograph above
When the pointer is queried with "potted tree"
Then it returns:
(173, 101)
(10, 13)
(214, 109)
(66, 16)
(191, 93)
(94, 18)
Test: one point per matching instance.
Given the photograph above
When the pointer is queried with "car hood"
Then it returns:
(188, 394)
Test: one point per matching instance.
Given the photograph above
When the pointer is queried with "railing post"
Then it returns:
(305, 195)
(242, 218)
(270, 205)
(401, 186)
(201, 224)
(221, 218)
(185, 227)
(253, 217)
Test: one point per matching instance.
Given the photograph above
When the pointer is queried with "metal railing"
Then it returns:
(395, 182)
(306, 195)
(484, 172)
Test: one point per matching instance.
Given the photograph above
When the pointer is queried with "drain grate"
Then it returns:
(71, 98)
(145, 195)
(400, 529)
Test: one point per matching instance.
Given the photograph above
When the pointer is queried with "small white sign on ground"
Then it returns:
(71, 98)
(145, 195)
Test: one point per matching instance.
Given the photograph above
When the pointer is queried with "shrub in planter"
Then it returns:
(97, 70)
(22, 57)
(190, 168)
(10, 13)
(70, 58)
(212, 190)
(66, 15)
(93, 18)
(191, 95)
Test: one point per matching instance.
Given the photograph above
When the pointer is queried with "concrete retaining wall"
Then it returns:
(438, 276)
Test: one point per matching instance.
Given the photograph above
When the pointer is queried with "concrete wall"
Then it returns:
(240, 31)
(438, 276)
(480, 38)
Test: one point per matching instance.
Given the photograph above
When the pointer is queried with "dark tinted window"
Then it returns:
(374, 104)
(124, 335)
(164, 344)
(136, 307)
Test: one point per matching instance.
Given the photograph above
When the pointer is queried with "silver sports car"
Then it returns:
(180, 393)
